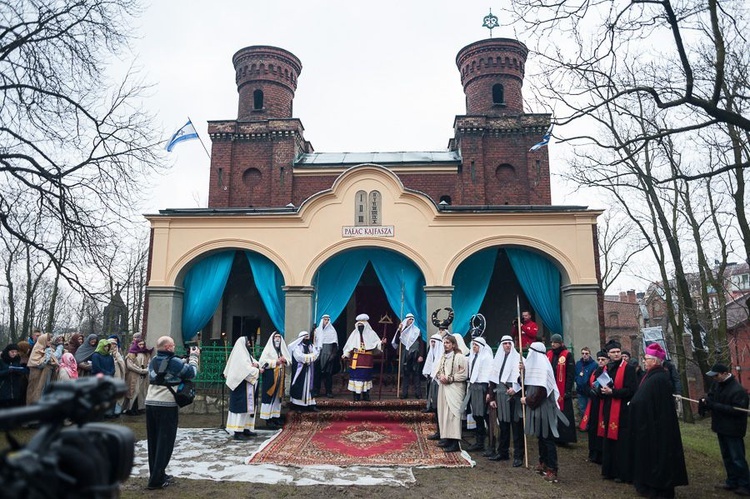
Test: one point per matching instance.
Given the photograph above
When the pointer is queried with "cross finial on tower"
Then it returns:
(490, 22)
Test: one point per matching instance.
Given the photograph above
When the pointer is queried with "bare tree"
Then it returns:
(618, 245)
(75, 145)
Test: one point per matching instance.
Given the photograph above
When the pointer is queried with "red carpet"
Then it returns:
(363, 436)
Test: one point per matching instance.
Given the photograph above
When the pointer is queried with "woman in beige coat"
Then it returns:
(42, 366)
(136, 376)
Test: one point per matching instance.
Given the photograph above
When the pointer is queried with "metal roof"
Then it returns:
(378, 158)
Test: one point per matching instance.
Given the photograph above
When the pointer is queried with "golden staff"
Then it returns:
(523, 389)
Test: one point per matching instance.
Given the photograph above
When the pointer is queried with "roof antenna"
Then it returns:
(490, 22)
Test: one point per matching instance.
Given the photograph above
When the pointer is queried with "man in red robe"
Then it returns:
(563, 366)
(529, 330)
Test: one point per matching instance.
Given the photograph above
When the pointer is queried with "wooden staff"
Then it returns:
(398, 345)
(523, 388)
(382, 362)
(698, 402)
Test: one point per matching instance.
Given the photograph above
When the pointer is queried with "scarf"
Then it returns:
(41, 354)
(612, 430)
(69, 364)
(480, 364)
(433, 355)
(239, 365)
(102, 349)
(539, 371)
(510, 372)
(86, 350)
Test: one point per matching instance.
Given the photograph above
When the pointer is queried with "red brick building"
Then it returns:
(262, 159)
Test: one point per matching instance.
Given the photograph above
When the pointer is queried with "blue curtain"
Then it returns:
(401, 279)
(269, 281)
(470, 283)
(335, 282)
(338, 277)
(204, 284)
(540, 280)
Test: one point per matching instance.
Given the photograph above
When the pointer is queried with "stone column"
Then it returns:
(580, 316)
(298, 312)
(164, 313)
(437, 297)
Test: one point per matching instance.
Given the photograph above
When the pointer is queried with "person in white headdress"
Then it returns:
(362, 344)
(304, 354)
(274, 361)
(451, 374)
(429, 368)
(542, 411)
(408, 338)
(475, 403)
(241, 373)
(326, 339)
(505, 395)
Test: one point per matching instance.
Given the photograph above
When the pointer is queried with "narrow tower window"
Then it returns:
(498, 94)
(258, 99)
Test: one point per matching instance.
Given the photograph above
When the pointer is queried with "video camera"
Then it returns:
(87, 461)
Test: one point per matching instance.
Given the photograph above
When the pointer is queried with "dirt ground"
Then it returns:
(578, 478)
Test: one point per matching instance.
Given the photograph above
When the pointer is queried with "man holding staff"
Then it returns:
(505, 396)
(408, 341)
(363, 342)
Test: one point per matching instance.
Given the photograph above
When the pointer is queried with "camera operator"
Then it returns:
(161, 408)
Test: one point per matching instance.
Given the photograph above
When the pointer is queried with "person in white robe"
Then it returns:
(408, 340)
(362, 344)
(274, 361)
(451, 374)
(304, 354)
(475, 403)
(241, 373)
(434, 352)
(326, 339)
(542, 411)
(505, 396)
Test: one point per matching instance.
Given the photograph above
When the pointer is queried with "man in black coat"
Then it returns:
(658, 460)
(724, 399)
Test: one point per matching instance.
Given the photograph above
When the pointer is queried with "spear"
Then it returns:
(523, 388)
(398, 343)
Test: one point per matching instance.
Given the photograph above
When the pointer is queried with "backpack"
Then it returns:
(185, 392)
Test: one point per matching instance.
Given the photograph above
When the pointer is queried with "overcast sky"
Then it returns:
(376, 76)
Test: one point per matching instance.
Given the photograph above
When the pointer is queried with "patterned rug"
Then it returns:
(365, 436)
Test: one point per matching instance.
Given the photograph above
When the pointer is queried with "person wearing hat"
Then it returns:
(326, 339)
(408, 338)
(564, 367)
(656, 443)
(615, 421)
(725, 399)
(590, 418)
(241, 374)
(505, 395)
(362, 344)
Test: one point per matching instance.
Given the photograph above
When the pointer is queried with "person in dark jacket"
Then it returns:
(101, 361)
(11, 374)
(584, 367)
(657, 455)
(726, 400)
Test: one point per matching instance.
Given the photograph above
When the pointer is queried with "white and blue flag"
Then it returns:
(544, 141)
(187, 132)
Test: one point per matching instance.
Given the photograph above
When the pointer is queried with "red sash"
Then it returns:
(560, 373)
(587, 415)
(613, 429)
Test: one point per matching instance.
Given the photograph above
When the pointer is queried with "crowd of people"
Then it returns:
(628, 410)
(29, 366)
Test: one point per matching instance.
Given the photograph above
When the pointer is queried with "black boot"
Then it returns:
(366, 396)
(357, 397)
(452, 446)
(434, 436)
(238, 435)
(478, 445)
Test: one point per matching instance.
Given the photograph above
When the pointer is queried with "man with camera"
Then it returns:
(165, 370)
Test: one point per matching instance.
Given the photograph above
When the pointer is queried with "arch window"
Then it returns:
(258, 99)
(498, 94)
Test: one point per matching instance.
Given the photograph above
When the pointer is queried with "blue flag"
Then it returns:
(187, 132)
(544, 141)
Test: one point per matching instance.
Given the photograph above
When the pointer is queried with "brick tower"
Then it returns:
(252, 157)
(495, 135)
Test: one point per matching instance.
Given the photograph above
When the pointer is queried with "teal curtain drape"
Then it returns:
(540, 280)
(269, 283)
(204, 284)
(470, 283)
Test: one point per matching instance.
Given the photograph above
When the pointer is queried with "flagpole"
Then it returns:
(200, 139)
(523, 388)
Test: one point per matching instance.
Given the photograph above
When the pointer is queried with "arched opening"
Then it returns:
(258, 99)
(498, 94)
